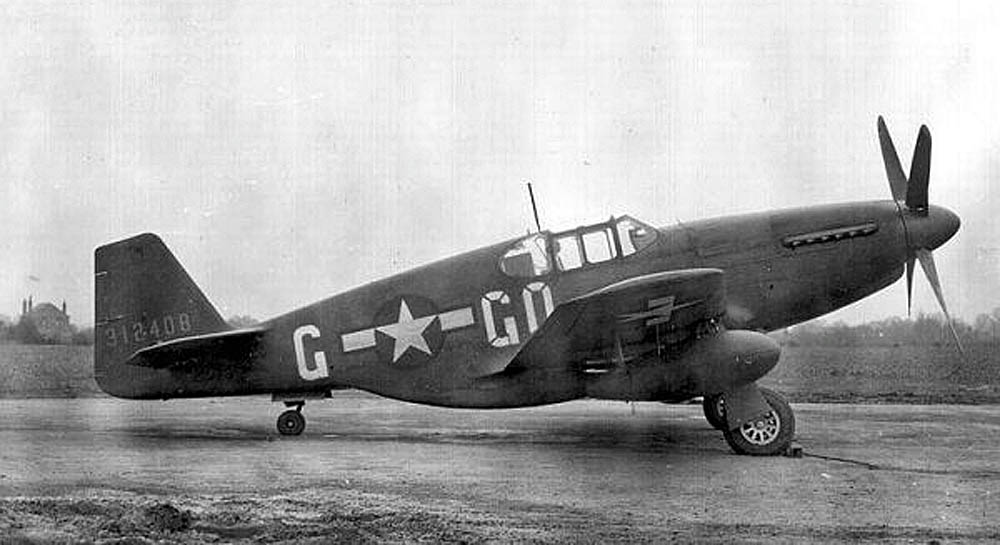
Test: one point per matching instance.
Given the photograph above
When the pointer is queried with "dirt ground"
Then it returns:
(374, 470)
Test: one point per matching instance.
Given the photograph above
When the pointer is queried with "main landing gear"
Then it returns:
(291, 422)
(766, 435)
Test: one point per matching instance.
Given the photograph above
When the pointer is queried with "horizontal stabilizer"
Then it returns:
(226, 349)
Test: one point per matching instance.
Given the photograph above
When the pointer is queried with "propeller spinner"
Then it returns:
(926, 227)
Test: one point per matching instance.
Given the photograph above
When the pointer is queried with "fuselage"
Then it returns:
(430, 334)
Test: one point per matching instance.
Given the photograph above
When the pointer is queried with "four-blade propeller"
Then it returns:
(910, 195)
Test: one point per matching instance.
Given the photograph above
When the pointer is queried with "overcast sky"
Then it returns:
(289, 153)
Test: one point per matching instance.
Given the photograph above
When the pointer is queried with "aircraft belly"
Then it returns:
(454, 378)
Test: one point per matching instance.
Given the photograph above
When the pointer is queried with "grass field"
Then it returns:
(879, 374)
(889, 374)
(47, 371)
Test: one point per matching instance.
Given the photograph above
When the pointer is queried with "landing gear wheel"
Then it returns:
(291, 422)
(768, 435)
(715, 411)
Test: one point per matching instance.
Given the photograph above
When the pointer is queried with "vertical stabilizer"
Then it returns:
(142, 296)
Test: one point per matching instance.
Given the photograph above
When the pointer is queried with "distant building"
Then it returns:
(51, 323)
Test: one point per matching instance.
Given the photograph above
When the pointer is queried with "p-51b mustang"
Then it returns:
(615, 310)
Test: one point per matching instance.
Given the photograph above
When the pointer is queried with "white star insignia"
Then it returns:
(408, 332)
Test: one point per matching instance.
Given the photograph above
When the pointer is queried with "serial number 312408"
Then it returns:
(156, 328)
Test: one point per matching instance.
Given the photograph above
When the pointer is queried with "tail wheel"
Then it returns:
(291, 422)
(767, 435)
(715, 411)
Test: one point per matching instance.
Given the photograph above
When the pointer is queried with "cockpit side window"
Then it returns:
(599, 245)
(567, 250)
(633, 235)
(528, 257)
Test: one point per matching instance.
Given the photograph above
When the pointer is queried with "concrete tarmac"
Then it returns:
(375, 470)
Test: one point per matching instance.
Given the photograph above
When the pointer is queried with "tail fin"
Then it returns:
(142, 296)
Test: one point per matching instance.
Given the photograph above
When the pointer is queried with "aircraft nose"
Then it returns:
(934, 229)
(948, 223)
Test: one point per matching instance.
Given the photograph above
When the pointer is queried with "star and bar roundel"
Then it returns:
(408, 330)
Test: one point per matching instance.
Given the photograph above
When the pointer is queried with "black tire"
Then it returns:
(768, 435)
(291, 423)
(715, 411)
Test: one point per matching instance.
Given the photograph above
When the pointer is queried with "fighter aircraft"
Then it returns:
(616, 310)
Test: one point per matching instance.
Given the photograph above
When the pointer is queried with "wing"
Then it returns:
(657, 308)
(229, 348)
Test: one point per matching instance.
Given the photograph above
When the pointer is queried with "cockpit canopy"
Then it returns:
(540, 253)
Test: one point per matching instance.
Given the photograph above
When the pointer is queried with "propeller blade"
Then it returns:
(897, 180)
(927, 263)
(909, 284)
(920, 171)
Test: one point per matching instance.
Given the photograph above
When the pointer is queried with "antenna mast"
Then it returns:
(534, 208)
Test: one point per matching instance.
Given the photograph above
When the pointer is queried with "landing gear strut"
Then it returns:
(767, 435)
(291, 422)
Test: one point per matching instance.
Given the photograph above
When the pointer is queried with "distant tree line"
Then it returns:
(25, 332)
(240, 321)
(925, 329)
